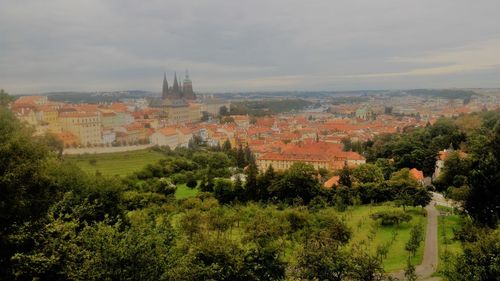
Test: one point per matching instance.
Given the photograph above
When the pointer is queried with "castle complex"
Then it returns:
(178, 102)
(178, 90)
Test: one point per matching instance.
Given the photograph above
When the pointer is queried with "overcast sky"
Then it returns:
(242, 45)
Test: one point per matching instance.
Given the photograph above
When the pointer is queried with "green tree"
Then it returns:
(299, 181)
(224, 191)
(484, 180)
(5, 98)
(191, 223)
(410, 273)
(264, 182)
(240, 157)
(367, 173)
(251, 185)
(479, 261)
(318, 261)
(391, 217)
(345, 176)
(223, 111)
(416, 237)
(226, 146)
(26, 188)
(365, 266)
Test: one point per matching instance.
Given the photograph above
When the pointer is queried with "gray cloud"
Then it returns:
(235, 45)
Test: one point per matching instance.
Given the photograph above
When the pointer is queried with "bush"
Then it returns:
(192, 183)
(391, 217)
(179, 178)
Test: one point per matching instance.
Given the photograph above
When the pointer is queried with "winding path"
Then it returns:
(431, 253)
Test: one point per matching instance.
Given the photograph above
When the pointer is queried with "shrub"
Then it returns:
(192, 183)
(391, 217)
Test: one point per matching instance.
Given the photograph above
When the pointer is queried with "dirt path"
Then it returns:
(431, 255)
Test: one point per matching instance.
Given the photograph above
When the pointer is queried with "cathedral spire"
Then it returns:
(176, 91)
(164, 93)
(176, 84)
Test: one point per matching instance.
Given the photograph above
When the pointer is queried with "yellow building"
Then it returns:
(318, 154)
(86, 126)
(49, 115)
(179, 112)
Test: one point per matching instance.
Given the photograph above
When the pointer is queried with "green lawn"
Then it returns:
(119, 163)
(124, 164)
(358, 218)
(447, 222)
(183, 191)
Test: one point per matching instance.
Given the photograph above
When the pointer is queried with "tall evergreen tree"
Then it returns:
(265, 181)
(251, 187)
(226, 146)
(240, 157)
(345, 176)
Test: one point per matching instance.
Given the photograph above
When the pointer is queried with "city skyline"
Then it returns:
(231, 46)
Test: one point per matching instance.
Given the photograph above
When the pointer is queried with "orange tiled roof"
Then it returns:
(168, 131)
(331, 182)
(28, 100)
(417, 174)
(77, 114)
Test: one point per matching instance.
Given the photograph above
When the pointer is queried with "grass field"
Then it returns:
(363, 227)
(119, 163)
(184, 192)
(447, 222)
(123, 164)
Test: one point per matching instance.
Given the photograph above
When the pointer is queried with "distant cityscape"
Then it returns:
(316, 133)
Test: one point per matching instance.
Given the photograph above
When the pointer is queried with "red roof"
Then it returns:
(169, 131)
(417, 174)
(331, 182)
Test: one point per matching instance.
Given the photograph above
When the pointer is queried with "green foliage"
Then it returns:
(97, 252)
(323, 262)
(5, 98)
(59, 223)
(191, 183)
(267, 107)
(391, 217)
(479, 261)
(298, 182)
(367, 173)
(410, 273)
(416, 148)
(224, 191)
(365, 266)
(345, 176)
(416, 237)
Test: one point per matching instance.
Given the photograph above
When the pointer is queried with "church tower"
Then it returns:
(187, 88)
(164, 93)
(176, 90)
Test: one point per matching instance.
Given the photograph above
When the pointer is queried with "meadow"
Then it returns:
(448, 222)
(116, 164)
(373, 234)
(123, 164)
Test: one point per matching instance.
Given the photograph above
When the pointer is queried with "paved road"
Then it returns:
(431, 254)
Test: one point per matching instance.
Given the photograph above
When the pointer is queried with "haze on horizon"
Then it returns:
(234, 45)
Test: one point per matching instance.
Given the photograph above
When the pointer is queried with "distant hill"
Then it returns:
(443, 93)
(96, 97)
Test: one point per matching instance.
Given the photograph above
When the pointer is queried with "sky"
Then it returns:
(241, 45)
